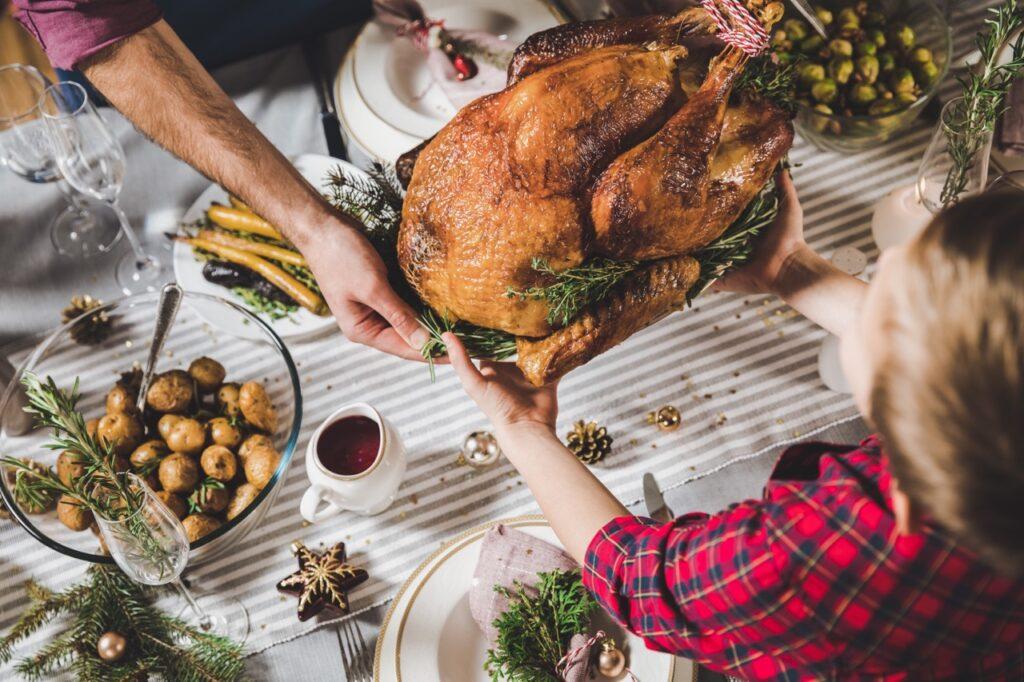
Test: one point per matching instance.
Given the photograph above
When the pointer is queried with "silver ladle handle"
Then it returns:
(170, 301)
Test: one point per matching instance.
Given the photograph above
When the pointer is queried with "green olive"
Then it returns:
(840, 47)
(823, 109)
(863, 94)
(840, 70)
(796, 29)
(903, 36)
(780, 39)
(784, 58)
(809, 74)
(868, 69)
(825, 91)
(902, 80)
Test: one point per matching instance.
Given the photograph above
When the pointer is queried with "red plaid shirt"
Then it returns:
(812, 582)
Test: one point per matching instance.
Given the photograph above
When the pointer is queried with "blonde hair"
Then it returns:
(949, 396)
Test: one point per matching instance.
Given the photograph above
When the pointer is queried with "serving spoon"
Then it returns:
(808, 12)
(167, 310)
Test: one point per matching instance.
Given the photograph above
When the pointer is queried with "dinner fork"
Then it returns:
(355, 656)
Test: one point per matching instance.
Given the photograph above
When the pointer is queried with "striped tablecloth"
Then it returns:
(742, 370)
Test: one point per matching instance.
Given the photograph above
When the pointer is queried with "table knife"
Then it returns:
(808, 12)
(312, 52)
(655, 501)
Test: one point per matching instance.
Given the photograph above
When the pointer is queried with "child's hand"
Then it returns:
(773, 248)
(501, 391)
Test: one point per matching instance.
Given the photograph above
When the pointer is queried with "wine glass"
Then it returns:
(26, 151)
(148, 543)
(955, 165)
(92, 161)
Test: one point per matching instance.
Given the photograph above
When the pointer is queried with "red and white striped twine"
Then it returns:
(740, 28)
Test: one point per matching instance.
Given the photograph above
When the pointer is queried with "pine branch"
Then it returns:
(43, 607)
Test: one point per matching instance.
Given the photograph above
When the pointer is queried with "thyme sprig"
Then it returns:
(535, 629)
(773, 81)
(984, 99)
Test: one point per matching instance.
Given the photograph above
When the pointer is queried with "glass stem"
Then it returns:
(71, 196)
(133, 240)
(205, 621)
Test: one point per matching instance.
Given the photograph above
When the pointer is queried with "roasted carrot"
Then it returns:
(299, 292)
(270, 251)
(242, 221)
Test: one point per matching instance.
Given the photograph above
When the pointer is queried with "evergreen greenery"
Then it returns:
(107, 600)
(534, 632)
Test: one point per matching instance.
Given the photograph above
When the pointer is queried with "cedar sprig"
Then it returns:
(159, 645)
(535, 629)
(573, 289)
(984, 95)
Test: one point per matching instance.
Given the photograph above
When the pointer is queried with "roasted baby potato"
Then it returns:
(122, 431)
(219, 463)
(252, 442)
(171, 391)
(210, 499)
(256, 406)
(227, 400)
(69, 467)
(198, 525)
(243, 497)
(174, 502)
(73, 514)
(260, 465)
(120, 399)
(167, 423)
(178, 473)
(187, 435)
(223, 432)
(207, 373)
(148, 454)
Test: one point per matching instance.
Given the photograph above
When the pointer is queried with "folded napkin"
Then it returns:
(507, 556)
(1011, 130)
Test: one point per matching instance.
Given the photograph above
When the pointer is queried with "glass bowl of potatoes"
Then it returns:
(214, 440)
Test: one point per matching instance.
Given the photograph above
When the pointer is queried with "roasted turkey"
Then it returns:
(622, 138)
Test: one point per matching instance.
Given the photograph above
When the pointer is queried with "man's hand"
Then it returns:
(774, 247)
(354, 282)
(502, 392)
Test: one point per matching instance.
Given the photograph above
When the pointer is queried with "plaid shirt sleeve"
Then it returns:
(696, 586)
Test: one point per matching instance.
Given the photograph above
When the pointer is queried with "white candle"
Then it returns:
(898, 218)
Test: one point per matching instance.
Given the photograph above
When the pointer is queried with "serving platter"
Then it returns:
(429, 634)
(188, 271)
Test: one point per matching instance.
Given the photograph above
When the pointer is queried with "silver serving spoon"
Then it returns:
(167, 310)
(808, 12)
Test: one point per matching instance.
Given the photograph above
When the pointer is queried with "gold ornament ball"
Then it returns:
(480, 449)
(667, 418)
(611, 662)
(111, 646)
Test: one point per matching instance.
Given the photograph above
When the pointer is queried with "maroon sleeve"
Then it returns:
(71, 30)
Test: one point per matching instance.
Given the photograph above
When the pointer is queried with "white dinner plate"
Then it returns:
(391, 75)
(189, 272)
(429, 634)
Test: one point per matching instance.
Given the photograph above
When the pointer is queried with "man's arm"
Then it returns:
(159, 85)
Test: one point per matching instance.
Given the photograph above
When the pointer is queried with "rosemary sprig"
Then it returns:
(774, 82)
(198, 499)
(480, 342)
(984, 99)
(575, 288)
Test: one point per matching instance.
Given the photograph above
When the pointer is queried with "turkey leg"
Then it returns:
(650, 203)
(646, 296)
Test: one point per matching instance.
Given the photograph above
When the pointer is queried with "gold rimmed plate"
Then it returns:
(429, 634)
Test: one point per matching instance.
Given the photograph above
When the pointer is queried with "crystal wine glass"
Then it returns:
(92, 161)
(26, 151)
(149, 544)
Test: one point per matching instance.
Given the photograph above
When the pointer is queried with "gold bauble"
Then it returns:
(111, 646)
(667, 418)
(610, 662)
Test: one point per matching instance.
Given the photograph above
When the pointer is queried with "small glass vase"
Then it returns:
(907, 210)
(149, 543)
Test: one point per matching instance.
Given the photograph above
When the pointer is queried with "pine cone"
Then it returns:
(90, 329)
(589, 442)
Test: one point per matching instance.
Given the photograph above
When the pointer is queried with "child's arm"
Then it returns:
(574, 502)
(786, 266)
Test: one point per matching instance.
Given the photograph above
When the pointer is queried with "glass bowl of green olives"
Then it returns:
(881, 65)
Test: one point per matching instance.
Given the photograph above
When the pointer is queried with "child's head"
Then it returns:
(943, 330)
